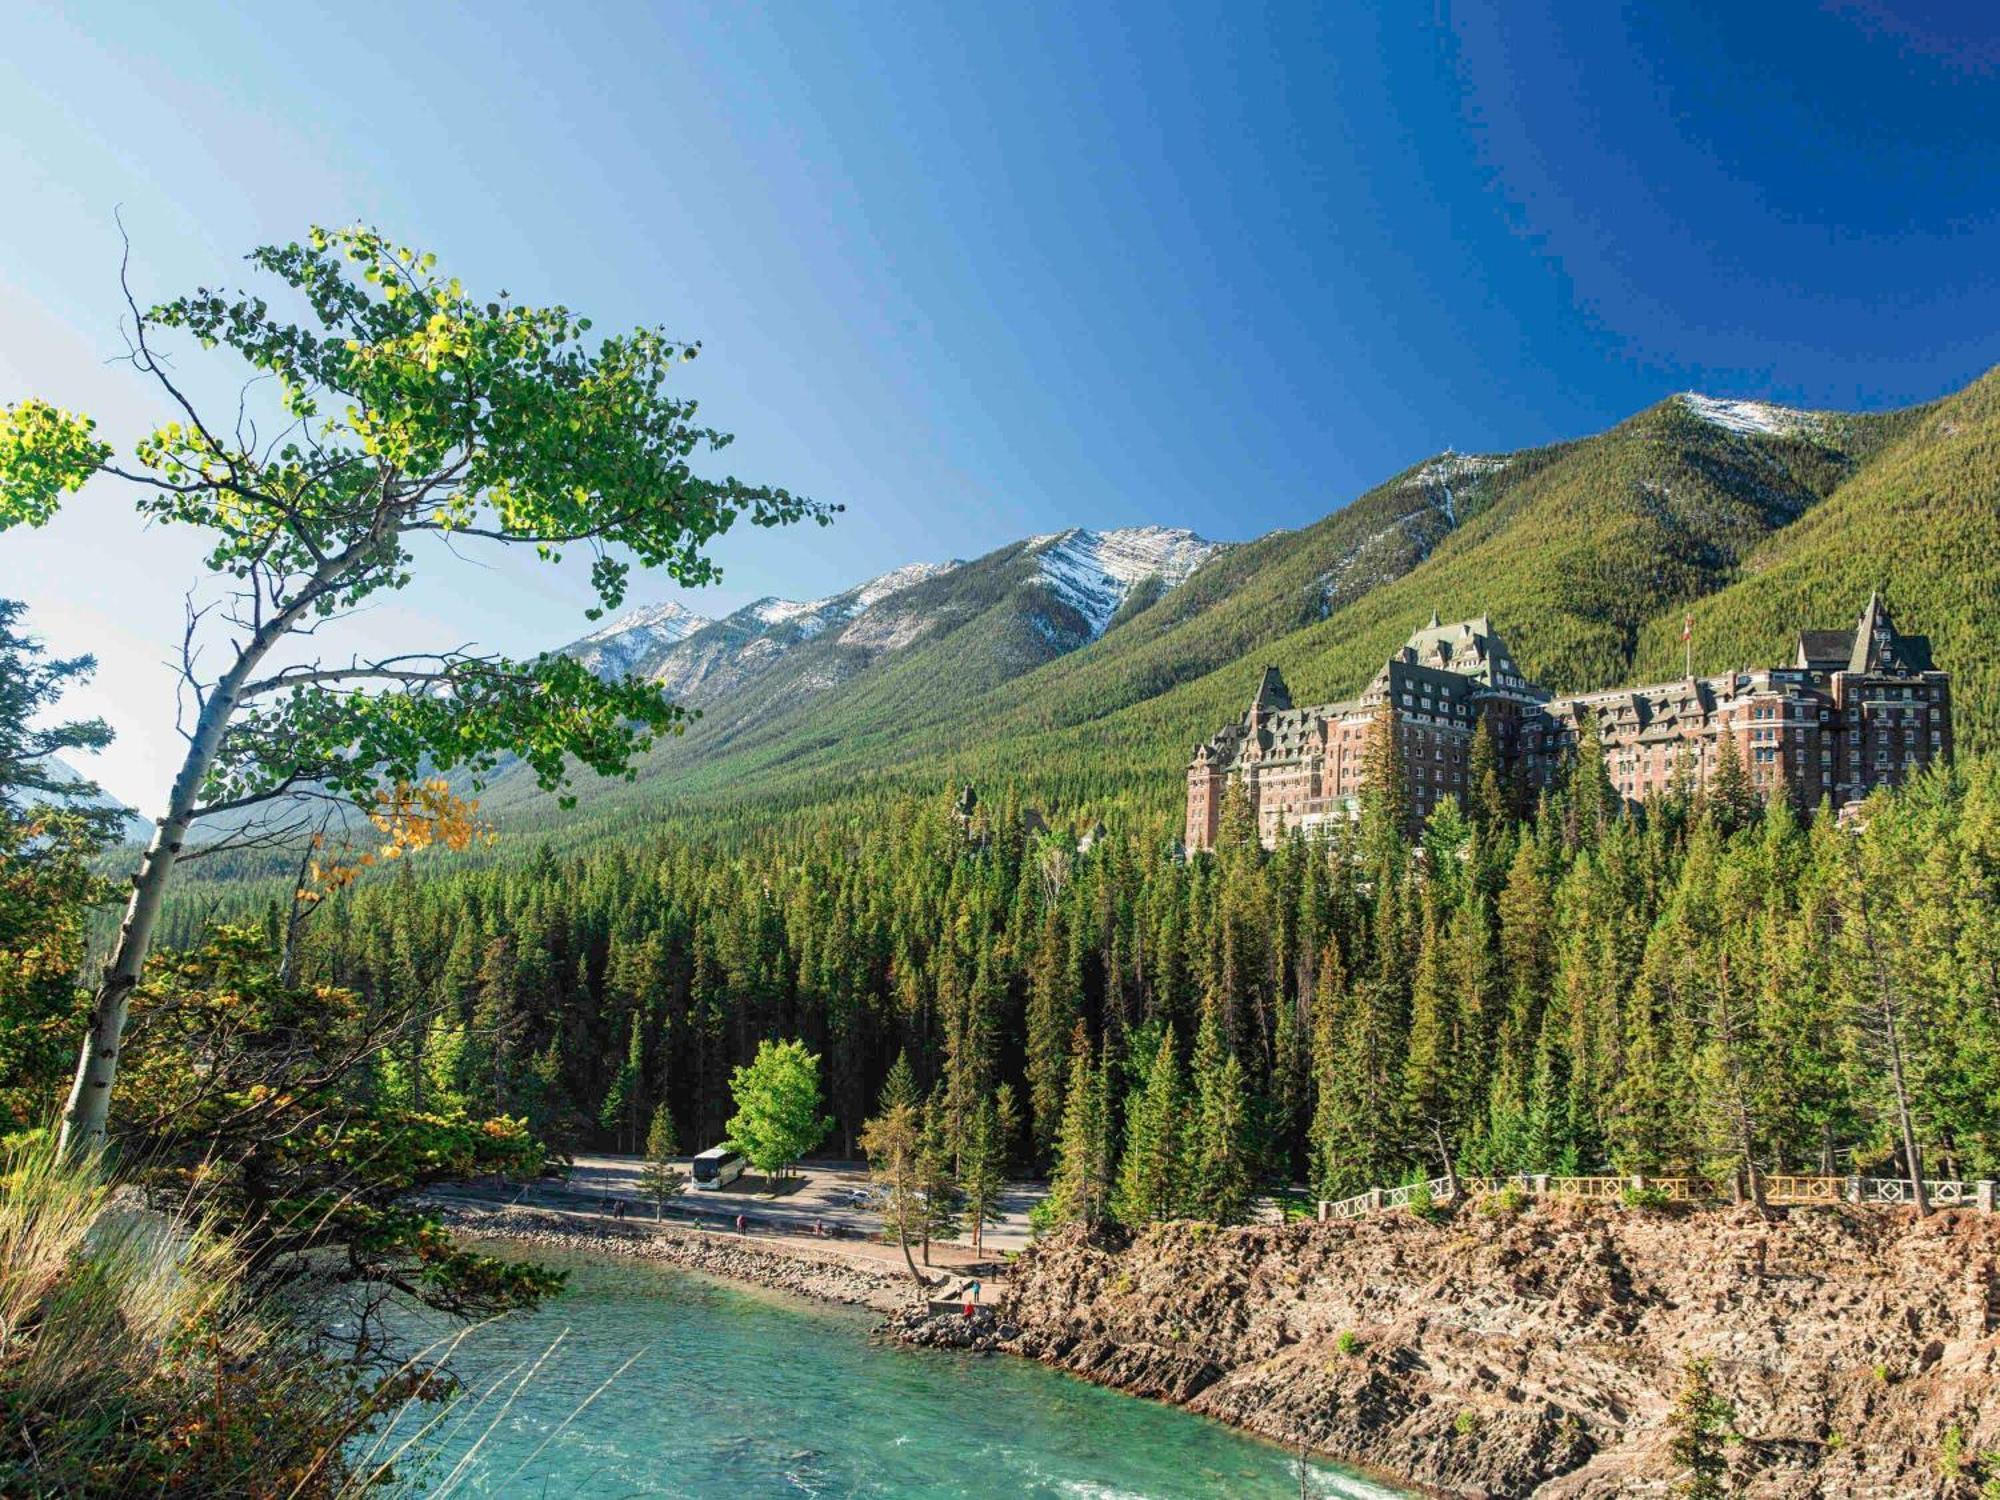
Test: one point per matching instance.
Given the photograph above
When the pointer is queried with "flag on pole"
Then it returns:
(1687, 627)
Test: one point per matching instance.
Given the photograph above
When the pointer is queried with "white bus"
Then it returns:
(717, 1168)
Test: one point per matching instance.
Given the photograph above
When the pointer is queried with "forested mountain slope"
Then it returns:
(1586, 555)
(1921, 522)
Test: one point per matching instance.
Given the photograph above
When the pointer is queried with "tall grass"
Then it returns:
(133, 1361)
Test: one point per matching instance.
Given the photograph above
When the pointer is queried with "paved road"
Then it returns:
(830, 1192)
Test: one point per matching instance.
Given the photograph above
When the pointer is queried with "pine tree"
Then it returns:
(1080, 1189)
(942, 1200)
(620, 1111)
(659, 1178)
(981, 1173)
(1050, 1016)
(1490, 801)
(893, 1140)
(1221, 1157)
(1150, 1174)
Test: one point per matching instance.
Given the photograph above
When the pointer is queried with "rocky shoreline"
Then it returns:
(784, 1268)
(1536, 1352)
(1541, 1352)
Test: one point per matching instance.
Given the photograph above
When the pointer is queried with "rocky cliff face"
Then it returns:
(1540, 1353)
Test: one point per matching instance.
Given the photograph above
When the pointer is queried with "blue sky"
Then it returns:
(978, 272)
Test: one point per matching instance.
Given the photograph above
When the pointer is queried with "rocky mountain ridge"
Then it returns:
(1088, 576)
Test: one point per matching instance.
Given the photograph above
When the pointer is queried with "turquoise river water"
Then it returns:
(735, 1392)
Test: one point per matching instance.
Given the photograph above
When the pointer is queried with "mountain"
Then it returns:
(1082, 665)
(125, 822)
(722, 656)
(631, 641)
(903, 643)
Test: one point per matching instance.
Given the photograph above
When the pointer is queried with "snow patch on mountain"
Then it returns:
(614, 649)
(1450, 468)
(1094, 572)
(1753, 416)
(814, 616)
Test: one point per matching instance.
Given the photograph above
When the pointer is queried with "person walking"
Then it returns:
(742, 1229)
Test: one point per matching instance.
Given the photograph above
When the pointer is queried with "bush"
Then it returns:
(1644, 1197)
(1349, 1342)
(1042, 1218)
(1422, 1204)
(1510, 1200)
(132, 1362)
(1466, 1424)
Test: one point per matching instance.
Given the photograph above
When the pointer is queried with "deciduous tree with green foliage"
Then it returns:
(777, 1117)
(411, 418)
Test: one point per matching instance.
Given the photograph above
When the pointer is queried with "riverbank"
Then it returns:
(777, 1264)
(1541, 1352)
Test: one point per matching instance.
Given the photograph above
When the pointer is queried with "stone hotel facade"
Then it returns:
(1853, 710)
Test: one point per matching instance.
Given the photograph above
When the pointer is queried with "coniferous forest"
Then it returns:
(1700, 988)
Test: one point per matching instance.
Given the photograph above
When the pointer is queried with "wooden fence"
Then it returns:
(1777, 1189)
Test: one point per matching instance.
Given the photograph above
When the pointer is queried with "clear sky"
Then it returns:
(979, 271)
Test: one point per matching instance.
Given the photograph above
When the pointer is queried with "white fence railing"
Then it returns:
(1943, 1193)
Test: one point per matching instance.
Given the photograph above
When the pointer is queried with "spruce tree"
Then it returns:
(982, 1171)
(1489, 800)
(620, 1111)
(1221, 1157)
(1080, 1189)
(1729, 798)
(659, 1178)
(1051, 1014)
(1150, 1173)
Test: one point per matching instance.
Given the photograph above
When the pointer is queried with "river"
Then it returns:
(731, 1391)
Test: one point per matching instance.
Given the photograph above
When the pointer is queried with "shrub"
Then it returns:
(1042, 1218)
(1466, 1423)
(1702, 1421)
(1951, 1452)
(1422, 1204)
(129, 1348)
(1644, 1197)
(1510, 1200)
(1349, 1342)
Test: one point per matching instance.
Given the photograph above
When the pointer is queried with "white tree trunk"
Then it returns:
(89, 1109)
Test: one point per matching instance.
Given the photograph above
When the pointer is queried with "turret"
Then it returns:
(1272, 697)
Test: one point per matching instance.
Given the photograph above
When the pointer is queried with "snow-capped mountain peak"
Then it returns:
(615, 648)
(811, 616)
(1752, 416)
(1094, 572)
